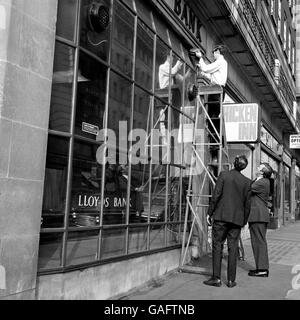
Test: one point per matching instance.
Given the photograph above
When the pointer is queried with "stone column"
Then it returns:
(27, 38)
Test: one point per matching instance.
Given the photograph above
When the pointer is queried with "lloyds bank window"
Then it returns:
(123, 194)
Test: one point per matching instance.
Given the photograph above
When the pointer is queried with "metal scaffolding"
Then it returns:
(209, 157)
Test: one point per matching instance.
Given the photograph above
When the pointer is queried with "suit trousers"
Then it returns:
(258, 232)
(220, 232)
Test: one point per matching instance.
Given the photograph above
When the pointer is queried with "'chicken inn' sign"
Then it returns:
(241, 122)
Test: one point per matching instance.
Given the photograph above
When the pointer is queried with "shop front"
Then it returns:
(287, 208)
(297, 192)
(271, 152)
(115, 184)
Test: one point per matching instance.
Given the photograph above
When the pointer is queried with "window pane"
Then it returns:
(86, 186)
(174, 233)
(144, 11)
(144, 56)
(90, 97)
(123, 33)
(50, 250)
(55, 183)
(82, 247)
(157, 237)
(95, 27)
(159, 160)
(140, 162)
(116, 175)
(137, 240)
(66, 19)
(174, 195)
(61, 99)
(162, 70)
(113, 243)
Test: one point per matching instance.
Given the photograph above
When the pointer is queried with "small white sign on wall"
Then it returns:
(295, 141)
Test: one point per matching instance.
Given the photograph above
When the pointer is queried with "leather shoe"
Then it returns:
(231, 284)
(258, 273)
(215, 282)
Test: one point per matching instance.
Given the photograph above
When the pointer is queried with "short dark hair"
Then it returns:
(267, 170)
(240, 162)
(219, 47)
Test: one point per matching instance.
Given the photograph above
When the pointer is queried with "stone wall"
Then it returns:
(27, 36)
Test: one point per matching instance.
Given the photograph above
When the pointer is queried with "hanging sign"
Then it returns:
(241, 122)
(295, 141)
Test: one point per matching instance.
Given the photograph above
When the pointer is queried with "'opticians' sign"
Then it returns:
(241, 122)
(295, 141)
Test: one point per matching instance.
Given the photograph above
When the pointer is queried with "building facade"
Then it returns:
(92, 200)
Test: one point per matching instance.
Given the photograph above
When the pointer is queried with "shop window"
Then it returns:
(116, 180)
(124, 24)
(137, 239)
(162, 69)
(82, 246)
(50, 251)
(95, 27)
(144, 60)
(55, 185)
(66, 17)
(90, 97)
(140, 180)
(97, 211)
(86, 186)
(157, 236)
(144, 12)
(61, 97)
(113, 243)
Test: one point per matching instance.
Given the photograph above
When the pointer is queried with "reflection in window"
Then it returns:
(140, 168)
(61, 98)
(144, 56)
(55, 183)
(113, 243)
(82, 247)
(94, 30)
(50, 250)
(157, 236)
(86, 186)
(66, 17)
(122, 47)
(90, 97)
(116, 173)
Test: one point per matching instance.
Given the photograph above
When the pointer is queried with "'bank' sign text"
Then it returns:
(241, 122)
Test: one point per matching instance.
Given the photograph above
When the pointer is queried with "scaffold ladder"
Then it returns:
(210, 154)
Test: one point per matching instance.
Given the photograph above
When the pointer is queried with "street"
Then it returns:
(282, 283)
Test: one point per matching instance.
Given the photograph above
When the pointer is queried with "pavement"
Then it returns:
(283, 282)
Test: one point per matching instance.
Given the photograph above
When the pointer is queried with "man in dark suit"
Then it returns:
(229, 208)
(258, 220)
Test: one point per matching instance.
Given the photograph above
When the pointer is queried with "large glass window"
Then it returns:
(297, 193)
(95, 27)
(113, 187)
